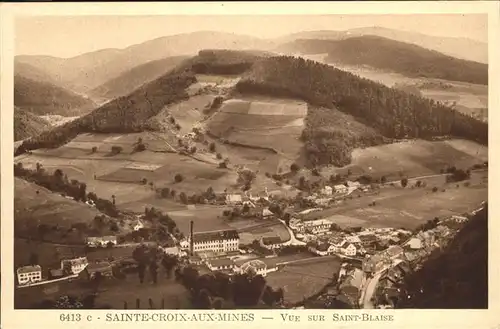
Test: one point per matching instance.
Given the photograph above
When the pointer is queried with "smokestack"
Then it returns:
(191, 242)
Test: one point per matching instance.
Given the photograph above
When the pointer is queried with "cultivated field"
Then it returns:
(409, 207)
(416, 158)
(303, 280)
(271, 123)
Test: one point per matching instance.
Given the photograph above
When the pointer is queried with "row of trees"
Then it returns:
(220, 290)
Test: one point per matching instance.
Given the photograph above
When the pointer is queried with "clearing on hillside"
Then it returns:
(416, 158)
(275, 124)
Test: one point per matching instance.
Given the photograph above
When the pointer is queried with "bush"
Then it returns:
(178, 178)
(211, 147)
(115, 149)
(404, 182)
(94, 149)
(219, 156)
(434, 189)
(294, 167)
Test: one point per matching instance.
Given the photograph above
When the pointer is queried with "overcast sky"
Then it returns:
(70, 36)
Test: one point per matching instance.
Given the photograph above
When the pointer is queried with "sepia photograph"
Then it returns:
(230, 162)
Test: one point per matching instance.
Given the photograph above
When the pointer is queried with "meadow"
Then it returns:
(303, 280)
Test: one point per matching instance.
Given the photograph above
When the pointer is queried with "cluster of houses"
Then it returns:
(72, 267)
(360, 244)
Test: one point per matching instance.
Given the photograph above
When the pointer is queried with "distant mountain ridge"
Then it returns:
(383, 53)
(461, 48)
(88, 71)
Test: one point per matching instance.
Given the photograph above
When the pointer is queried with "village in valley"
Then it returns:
(368, 262)
(247, 173)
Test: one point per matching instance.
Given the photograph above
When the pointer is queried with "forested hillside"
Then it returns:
(382, 53)
(392, 112)
(45, 98)
(130, 80)
(27, 124)
(124, 114)
(456, 277)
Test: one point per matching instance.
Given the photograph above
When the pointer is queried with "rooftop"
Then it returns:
(221, 262)
(271, 240)
(215, 235)
(29, 269)
(101, 238)
(254, 264)
(76, 261)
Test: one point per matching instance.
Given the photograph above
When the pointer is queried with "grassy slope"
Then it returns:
(27, 124)
(405, 58)
(46, 207)
(45, 98)
(456, 277)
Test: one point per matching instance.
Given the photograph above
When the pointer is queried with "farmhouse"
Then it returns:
(266, 213)
(75, 265)
(348, 249)
(233, 199)
(101, 241)
(327, 190)
(29, 274)
(322, 249)
(341, 188)
(102, 267)
(272, 242)
(218, 241)
(258, 267)
(138, 225)
(414, 243)
(223, 264)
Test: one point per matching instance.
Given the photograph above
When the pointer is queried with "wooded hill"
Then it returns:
(391, 113)
(405, 58)
(130, 80)
(41, 98)
(27, 124)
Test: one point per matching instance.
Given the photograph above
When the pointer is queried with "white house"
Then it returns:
(217, 241)
(266, 213)
(184, 243)
(138, 225)
(75, 265)
(29, 274)
(174, 250)
(318, 226)
(101, 241)
(322, 249)
(233, 199)
(348, 249)
(459, 219)
(220, 264)
(258, 267)
(415, 243)
(327, 190)
(341, 188)
(272, 242)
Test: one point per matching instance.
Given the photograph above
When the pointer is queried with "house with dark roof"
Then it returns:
(271, 242)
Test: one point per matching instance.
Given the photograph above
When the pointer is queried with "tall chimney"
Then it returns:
(191, 242)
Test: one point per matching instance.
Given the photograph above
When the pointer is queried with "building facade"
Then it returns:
(75, 265)
(29, 274)
(217, 241)
(101, 241)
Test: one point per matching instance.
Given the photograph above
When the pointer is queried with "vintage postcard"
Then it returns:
(249, 164)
